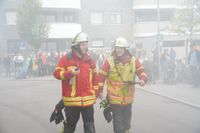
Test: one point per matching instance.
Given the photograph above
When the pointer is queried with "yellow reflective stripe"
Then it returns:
(73, 86)
(120, 100)
(85, 98)
(88, 97)
(86, 103)
(92, 91)
(112, 90)
(71, 98)
(100, 84)
(96, 87)
(62, 77)
(79, 101)
(72, 103)
(60, 68)
(116, 98)
(94, 70)
(91, 78)
(144, 74)
(102, 72)
(115, 102)
(140, 68)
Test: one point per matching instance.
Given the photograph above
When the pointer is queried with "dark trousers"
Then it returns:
(121, 118)
(194, 72)
(73, 115)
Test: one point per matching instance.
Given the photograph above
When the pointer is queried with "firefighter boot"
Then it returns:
(89, 127)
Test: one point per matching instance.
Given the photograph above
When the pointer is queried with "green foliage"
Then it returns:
(104, 104)
(187, 18)
(31, 23)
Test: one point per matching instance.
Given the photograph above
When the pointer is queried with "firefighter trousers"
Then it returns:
(121, 118)
(73, 115)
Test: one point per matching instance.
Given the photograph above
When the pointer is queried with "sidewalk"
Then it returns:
(180, 92)
(29, 79)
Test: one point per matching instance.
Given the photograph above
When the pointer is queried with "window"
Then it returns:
(139, 45)
(173, 43)
(166, 15)
(151, 15)
(11, 18)
(145, 16)
(51, 18)
(97, 43)
(116, 18)
(71, 17)
(96, 18)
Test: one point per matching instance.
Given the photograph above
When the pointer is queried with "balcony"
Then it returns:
(74, 4)
(63, 30)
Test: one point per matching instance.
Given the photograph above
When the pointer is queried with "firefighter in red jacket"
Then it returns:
(77, 72)
(119, 71)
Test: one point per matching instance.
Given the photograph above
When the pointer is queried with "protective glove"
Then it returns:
(107, 114)
(57, 115)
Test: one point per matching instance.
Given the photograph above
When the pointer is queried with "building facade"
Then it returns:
(66, 18)
(103, 20)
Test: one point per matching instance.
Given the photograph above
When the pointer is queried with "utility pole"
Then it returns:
(158, 36)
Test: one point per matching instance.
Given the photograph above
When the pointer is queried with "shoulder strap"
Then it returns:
(118, 70)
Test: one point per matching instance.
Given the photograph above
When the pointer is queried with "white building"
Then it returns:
(147, 26)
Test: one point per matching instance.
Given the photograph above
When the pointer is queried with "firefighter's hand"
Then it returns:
(75, 71)
(100, 93)
(142, 82)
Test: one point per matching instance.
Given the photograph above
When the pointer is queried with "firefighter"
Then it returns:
(119, 71)
(77, 72)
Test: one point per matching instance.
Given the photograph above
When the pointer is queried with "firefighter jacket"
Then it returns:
(120, 77)
(77, 90)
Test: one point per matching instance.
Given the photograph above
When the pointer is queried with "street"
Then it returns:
(26, 105)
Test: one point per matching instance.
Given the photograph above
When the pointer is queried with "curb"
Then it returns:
(172, 98)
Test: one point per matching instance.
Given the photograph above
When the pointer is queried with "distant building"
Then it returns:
(62, 17)
(103, 20)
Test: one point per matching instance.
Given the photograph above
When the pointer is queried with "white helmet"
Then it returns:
(80, 37)
(121, 42)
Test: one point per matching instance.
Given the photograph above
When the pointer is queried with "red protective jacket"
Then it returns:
(77, 90)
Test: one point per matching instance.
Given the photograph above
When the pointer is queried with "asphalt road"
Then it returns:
(25, 107)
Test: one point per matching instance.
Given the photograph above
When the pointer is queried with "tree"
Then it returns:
(187, 19)
(31, 23)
